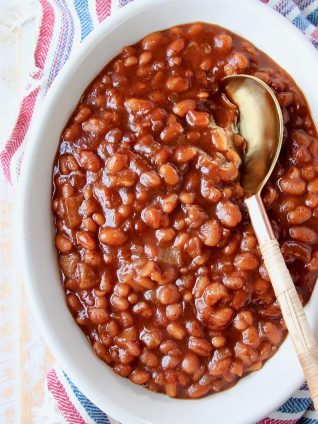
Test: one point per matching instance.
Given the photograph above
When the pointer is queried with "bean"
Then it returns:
(198, 390)
(116, 163)
(63, 243)
(272, 333)
(149, 359)
(198, 119)
(112, 328)
(220, 318)
(86, 275)
(233, 282)
(99, 219)
(82, 115)
(133, 298)
(270, 195)
(190, 363)
(119, 303)
(299, 215)
(174, 311)
(86, 240)
(131, 61)
(211, 233)
(112, 236)
(165, 235)
(214, 292)
(150, 179)
(168, 294)
(169, 203)
(250, 336)
(246, 261)
(176, 330)
(311, 200)
(122, 289)
(303, 234)
(171, 132)
(175, 47)
(177, 84)
(169, 346)
(229, 214)
(171, 389)
(184, 154)
(195, 29)
(169, 173)
(295, 186)
(218, 342)
(223, 42)
(123, 370)
(243, 320)
(312, 186)
(145, 58)
(199, 346)
(142, 309)
(139, 106)
(152, 217)
(101, 351)
(98, 315)
(93, 257)
(139, 377)
(74, 302)
(184, 106)
(186, 197)
(152, 41)
(95, 126)
(151, 339)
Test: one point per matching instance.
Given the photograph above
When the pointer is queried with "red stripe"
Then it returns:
(18, 133)
(315, 34)
(64, 404)
(103, 9)
(27, 107)
(45, 34)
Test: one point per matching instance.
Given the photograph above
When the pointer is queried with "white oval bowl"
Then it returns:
(255, 395)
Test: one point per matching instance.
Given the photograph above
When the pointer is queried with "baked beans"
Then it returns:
(159, 262)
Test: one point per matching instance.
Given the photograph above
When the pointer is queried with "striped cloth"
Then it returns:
(64, 24)
(76, 408)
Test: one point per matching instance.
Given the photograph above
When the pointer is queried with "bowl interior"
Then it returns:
(255, 395)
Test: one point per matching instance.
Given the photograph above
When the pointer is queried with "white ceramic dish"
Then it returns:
(254, 396)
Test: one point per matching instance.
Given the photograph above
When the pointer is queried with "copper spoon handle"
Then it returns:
(285, 291)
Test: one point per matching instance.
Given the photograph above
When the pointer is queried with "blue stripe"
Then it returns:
(311, 407)
(315, 43)
(302, 4)
(95, 413)
(124, 2)
(300, 22)
(305, 420)
(65, 41)
(313, 17)
(81, 7)
(294, 405)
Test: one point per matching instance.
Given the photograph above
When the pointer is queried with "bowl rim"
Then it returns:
(34, 138)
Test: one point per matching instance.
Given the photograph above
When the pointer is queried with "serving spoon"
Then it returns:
(261, 125)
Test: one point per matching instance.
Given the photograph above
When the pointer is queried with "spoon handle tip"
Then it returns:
(291, 307)
(294, 314)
